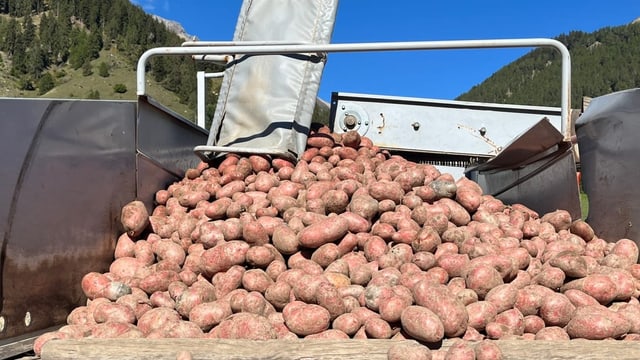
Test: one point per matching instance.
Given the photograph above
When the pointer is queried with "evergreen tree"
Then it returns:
(45, 83)
(103, 69)
(87, 69)
(36, 60)
(29, 30)
(10, 38)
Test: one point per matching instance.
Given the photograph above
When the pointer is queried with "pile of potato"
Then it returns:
(352, 242)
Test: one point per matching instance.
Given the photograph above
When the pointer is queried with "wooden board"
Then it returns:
(143, 349)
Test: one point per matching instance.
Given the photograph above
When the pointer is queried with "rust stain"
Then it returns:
(476, 133)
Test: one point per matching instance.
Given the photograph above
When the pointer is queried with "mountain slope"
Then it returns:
(89, 49)
(604, 61)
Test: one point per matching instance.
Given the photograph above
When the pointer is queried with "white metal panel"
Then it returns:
(437, 126)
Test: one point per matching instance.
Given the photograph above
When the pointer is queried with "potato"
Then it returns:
(460, 350)
(125, 267)
(384, 189)
(627, 249)
(422, 324)
(115, 330)
(599, 286)
(278, 294)
(223, 256)
(322, 232)
(530, 298)
(596, 323)
(556, 310)
(351, 139)
(319, 140)
(125, 246)
(82, 315)
(572, 264)
(326, 254)
(467, 296)
(306, 319)
(364, 314)
(503, 264)
(259, 256)
(157, 318)
(134, 218)
(162, 298)
(158, 281)
(227, 281)
(439, 299)
(533, 324)
(482, 278)
(256, 280)
(357, 224)
(424, 260)
(459, 215)
(329, 298)
(630, 313)
(468, 194)
(552, 333)
(95, 285)
(255, 303)
(236, 299)
(487, 350)
(392, 307)
(625, 285)
(330, 334)
(454, 264)
(377, 328)
(480, 314)
(78, 331)
(244, 326)
(582, 229)
(347, 323)
(169, 250)
(551, 277)
(560, 219)
(195, 295)
(275, 268)
(408, 351)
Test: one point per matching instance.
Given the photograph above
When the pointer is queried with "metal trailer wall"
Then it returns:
(68, 167)
(607, 137)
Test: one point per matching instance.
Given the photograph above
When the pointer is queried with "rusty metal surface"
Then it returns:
(607, 135)
(68, 168)
(71, 182)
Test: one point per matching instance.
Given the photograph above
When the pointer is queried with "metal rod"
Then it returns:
(235, 43)
(277, 49)
(221, 59)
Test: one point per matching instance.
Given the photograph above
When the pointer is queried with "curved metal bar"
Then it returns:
(249, 48)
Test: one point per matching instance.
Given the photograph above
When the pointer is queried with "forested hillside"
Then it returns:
(46, 43)
(604, 61)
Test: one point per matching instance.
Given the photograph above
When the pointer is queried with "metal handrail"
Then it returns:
(253, 48)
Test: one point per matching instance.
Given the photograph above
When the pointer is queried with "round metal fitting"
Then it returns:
(350, 121)
(352, 117)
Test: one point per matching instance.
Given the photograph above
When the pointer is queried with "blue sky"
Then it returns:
(439, 74)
